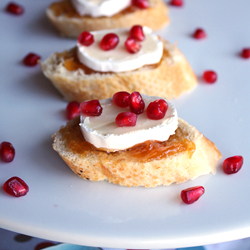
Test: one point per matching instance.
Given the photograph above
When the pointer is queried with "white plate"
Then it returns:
(62, 207)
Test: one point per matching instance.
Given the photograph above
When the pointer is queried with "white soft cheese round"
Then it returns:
(103, 132)
(98, 8)
(119, 59)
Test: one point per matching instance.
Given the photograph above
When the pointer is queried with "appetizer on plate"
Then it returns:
(71, 17)
(128, 59)
(134, 140)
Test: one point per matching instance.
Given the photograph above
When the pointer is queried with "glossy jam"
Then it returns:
(65, 8)
(143, 152)
(71, 63)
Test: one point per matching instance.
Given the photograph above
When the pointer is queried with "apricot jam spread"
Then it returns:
(143, 152)
(71, 63)
(65, 8)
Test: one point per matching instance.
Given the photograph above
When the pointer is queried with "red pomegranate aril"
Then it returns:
(31, 59)
(132, 45)
(109, 41)
(178, 3)
(72, 110)
(210, 76)
(192, 194)
(136, 103)
(15, 186)
(7, 151)
(157, 109)
(142, 4)
(14, 8)
(85, 38)
(233, 164)
(137, 32)
(126, 119)
(245, 53)
(120, 99)
(43, 245)
(199, 34)
(91, 108)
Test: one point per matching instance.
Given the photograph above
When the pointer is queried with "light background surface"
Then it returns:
(62, 207)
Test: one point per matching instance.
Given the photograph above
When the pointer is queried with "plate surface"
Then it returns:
(62, 207)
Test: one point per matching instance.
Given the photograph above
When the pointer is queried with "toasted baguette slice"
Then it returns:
(70, 24)
(184, 156)
(170, 78)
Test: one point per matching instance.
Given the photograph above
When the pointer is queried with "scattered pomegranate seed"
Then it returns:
(91, 108)
(142, 4)
(7, 151)
(132, 45)
(192, 194)
(109, 41)
(120, 99)
(199, 34)
(210, 76)
(85, 38)
(232, 164)
(15, 186)
(137, 32)
(136, 103)
(178, 3)
(72, 110)
(157, 109)
(14, 8)
(31, 59)
(43, 245)
(245, 53)
(126, 119)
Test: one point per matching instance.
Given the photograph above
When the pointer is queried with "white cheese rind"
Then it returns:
(104, 134)
(98, 8)
(119, 59)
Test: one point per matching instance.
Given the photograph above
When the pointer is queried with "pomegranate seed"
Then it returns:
(15, 186)
(136, 103)
(109, 41)
(91, 108)
(72, 110)
(31, 59)
(210, 76)
(245, 53)
(192, 194)
(7, 151)
(157, 109)
(178, 3)
(120, 99)
(126, 119)
(142, 4)
(132, 45)
(232, 164)
(85, 38)
(137, 32)
(43, 245)
(199, 34)
(14, 8)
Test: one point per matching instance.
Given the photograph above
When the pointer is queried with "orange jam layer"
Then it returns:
(65, 8)
(71, 63)
(143, 152)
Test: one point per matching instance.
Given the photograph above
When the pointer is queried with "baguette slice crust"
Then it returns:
(70, 24)
(170, 78)
(186, 155)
